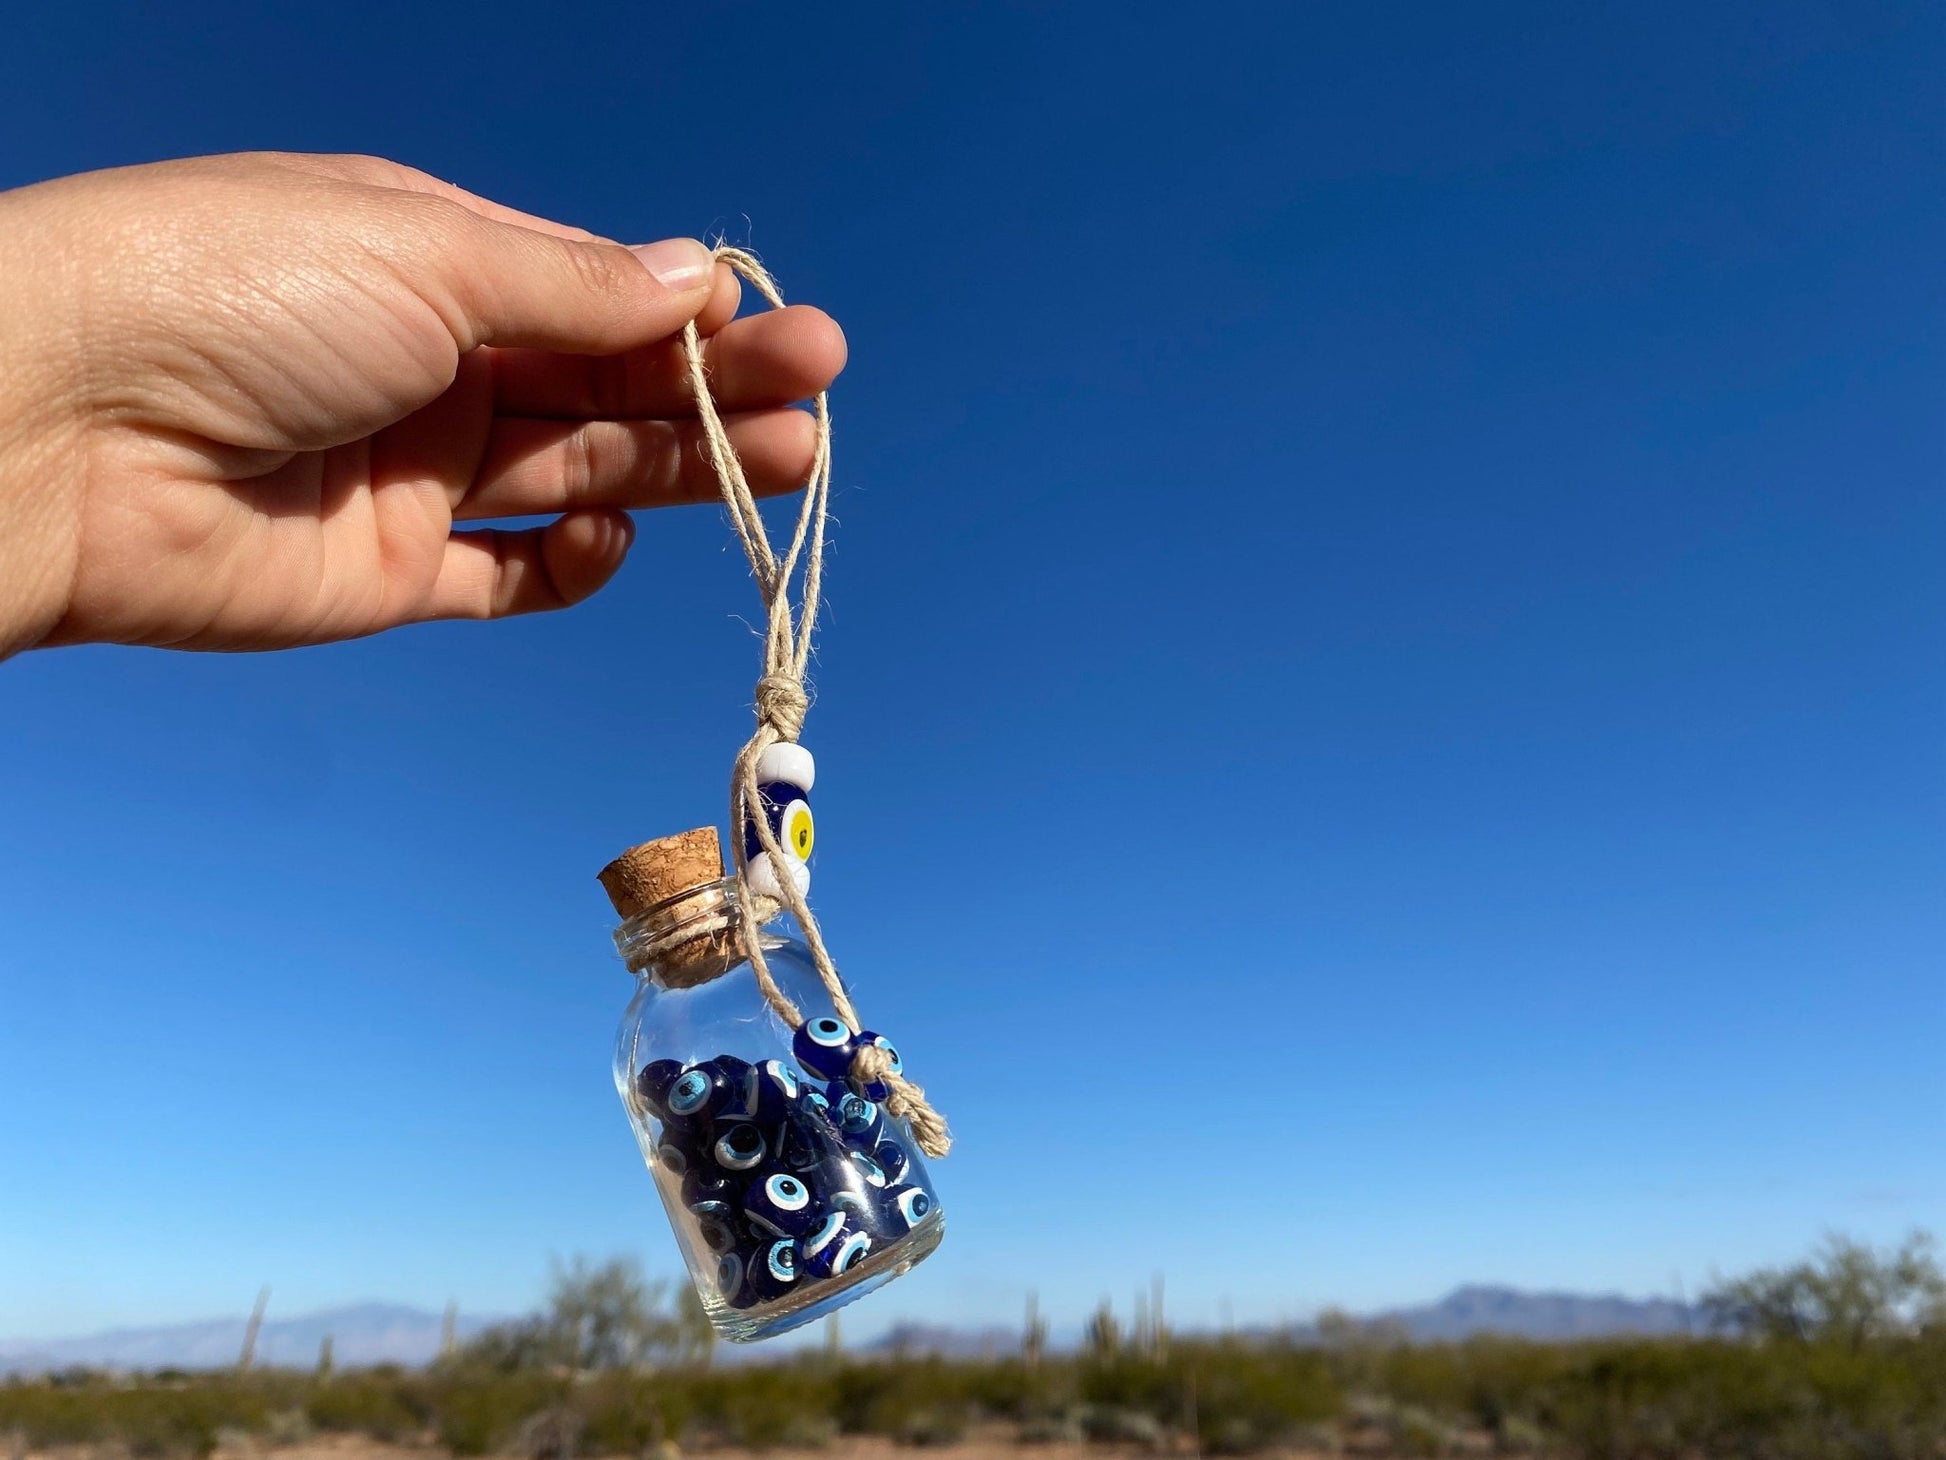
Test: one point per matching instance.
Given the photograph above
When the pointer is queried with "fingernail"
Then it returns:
(677, 263)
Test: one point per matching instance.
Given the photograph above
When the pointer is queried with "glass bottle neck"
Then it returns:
(687, 939)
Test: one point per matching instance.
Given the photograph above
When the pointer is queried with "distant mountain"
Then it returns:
(365, 1333)
(377, 1333)
(1480, 1309)
(953, 1343)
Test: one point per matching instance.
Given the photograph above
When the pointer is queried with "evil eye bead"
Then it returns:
(719, 1232)
(780, 1203)
(729, 1280)
(761, 871)
(835, 1246)
(858, 1118)
(807, 1143)
(785, 775)
(652, 1084)
(741, 1078)
(869, 1171)
(862, 1212)
(705, 1185)
(824, 1046)
(814, 1101)
(777, 1090)
(739, 1148)
(787, 764)
(878, 1090)
(698, 1093)
(672, 1158)
(892, 1160)
(908, 1208)
(772, 1270)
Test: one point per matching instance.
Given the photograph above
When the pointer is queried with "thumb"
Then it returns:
(502, 284)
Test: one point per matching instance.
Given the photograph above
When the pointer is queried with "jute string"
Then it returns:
(781, 704)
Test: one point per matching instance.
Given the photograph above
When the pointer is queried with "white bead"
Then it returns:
(763, 876)
(791, 764)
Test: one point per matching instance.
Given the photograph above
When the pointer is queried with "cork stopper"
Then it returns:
(657, 875)
(667, 867)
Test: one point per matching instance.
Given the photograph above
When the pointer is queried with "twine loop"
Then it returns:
(781, 704)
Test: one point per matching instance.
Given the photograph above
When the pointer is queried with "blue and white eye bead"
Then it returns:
(772, 1270)
(868, 1170)
(824, 1046)
(698, 1093)
(705, 1185)
(672, 1158)
(893, 1161)
(739, 1148)
(856, 1117)
(777, 1090)
(785, 775)
(719, 1231)
(808, 1144)
(729, 1280)
(835, 1246)
(860, 1210)
(812, 1100)
(741, 1078)
(652, 1084)
(780, 1204)
(908, 1207)
(877, 1090)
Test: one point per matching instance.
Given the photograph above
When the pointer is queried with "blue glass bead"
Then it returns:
(698, 1093)
(741, 1077)
(869, 1171)
(834, 1246)
(771, 1270)
(863, 1213)
(729, 1280)
(856, 1117)
(907, 1207)
(813, 1101)
(777, 1091)
(705, 1183)
(739, 1147)
(719, 1230)
(780, 1203)
(785, 774)
(672, 1158)
(876, 1090)
(652, 1084)
(892, 1160)
(807, 1142)
(823, 1046)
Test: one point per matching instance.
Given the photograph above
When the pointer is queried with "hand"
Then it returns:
(243, 400)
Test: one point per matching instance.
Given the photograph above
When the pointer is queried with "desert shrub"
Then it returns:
(631, 1414)
(1052, 1427)
(934, 1425)
(364, 1404)
(1251, 1399)
(1121, 1424)
(478, 1415)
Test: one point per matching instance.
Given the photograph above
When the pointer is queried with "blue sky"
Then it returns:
(1381, 714)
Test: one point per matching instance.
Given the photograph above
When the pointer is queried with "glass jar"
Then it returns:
(790, 1194)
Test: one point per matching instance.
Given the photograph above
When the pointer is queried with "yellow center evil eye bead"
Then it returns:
(799, 830)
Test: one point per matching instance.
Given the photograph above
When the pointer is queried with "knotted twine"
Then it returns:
(781, 704)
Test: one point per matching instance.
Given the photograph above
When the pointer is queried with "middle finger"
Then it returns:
(761, 361)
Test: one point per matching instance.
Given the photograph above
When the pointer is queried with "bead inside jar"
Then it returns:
(791, 1190)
